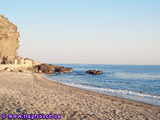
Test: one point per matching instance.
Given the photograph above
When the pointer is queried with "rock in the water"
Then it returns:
(99, 72)
(94, 72)
(63, 70)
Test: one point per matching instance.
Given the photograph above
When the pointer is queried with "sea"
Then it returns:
(135, 82)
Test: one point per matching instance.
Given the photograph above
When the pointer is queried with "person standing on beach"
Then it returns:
(4, 60)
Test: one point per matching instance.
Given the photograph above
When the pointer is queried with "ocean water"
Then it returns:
(135, 82)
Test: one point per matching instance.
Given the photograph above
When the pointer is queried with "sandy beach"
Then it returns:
(26, 93)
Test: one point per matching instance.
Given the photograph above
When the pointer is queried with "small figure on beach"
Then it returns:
(4, 60)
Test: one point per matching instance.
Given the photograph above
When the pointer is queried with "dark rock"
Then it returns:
(45, 68)
(63, 69)
(51, 69)
(94, 72)
(99, 72)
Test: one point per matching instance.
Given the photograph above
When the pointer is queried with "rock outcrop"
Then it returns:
(94, 72)
(45, 68)
(8, 39)
(51, 69)
(61, 69)
(9, 45)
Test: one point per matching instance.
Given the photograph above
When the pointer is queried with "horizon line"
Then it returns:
(100, 64)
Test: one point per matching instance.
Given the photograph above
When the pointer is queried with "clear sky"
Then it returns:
(87, 31)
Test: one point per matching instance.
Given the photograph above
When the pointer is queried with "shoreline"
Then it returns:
(98, 93)
(34, 93)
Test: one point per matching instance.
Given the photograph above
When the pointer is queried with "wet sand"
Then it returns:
(26, 93)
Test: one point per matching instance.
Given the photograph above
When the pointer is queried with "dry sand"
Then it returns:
(31, 93)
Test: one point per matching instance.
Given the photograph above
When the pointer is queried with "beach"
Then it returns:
(31, 93)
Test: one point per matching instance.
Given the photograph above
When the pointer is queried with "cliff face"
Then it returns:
(8, 39)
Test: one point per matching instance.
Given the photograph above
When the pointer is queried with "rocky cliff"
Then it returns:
(8, 39)
(8, 48)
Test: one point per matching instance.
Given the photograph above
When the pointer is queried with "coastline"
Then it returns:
(35, 94)
(99, 93)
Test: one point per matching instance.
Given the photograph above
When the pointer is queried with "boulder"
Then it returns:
(99, 72)
(45, 68)
(94, 72)
(51, 69)
(63, 70)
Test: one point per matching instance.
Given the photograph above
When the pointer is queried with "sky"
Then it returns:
(87, 31)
